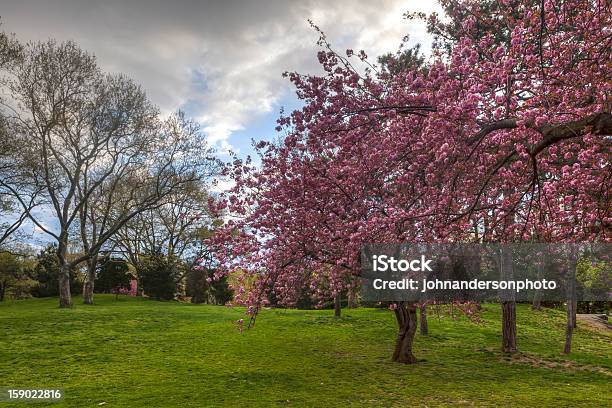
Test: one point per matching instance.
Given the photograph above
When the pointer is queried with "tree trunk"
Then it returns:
(2, 290)
(508, 303)
(537, 300)
(351, 304)
(569, 330)
(88, 292)
(65, 298)
(571, 300)
(424, 327)
(88, 286)
(509, 327)
(537, 296)
(575, 310)
(407, 322)
(337, 308)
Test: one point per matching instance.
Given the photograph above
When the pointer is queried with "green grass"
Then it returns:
(139, 353)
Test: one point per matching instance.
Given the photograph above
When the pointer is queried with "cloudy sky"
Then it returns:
(221, 61)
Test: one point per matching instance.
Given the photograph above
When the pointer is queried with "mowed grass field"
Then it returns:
(140, 353)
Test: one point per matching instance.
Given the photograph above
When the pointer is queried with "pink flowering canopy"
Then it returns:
(495, 140)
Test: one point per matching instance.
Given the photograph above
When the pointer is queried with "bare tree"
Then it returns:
(10, 218)
(171, 228)
(11, 215)
(169, 182)
(94, 143)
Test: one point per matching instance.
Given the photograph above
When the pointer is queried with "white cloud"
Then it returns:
(220, 60)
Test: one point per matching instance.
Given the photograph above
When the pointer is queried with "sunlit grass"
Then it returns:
(139, 353)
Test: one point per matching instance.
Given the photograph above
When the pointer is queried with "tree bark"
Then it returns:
(569, 330)
(424, 327)
(337, 307)
(88, 292)
(65, 298)
(407, 321)
(88, 286)
(508, 304)
(509, 327)
(571, 300)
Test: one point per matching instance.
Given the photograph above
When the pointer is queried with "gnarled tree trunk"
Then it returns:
(407, 321)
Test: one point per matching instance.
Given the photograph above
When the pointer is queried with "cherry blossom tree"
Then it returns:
(502, 138)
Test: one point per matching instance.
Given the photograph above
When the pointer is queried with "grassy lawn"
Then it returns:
(140, 353)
